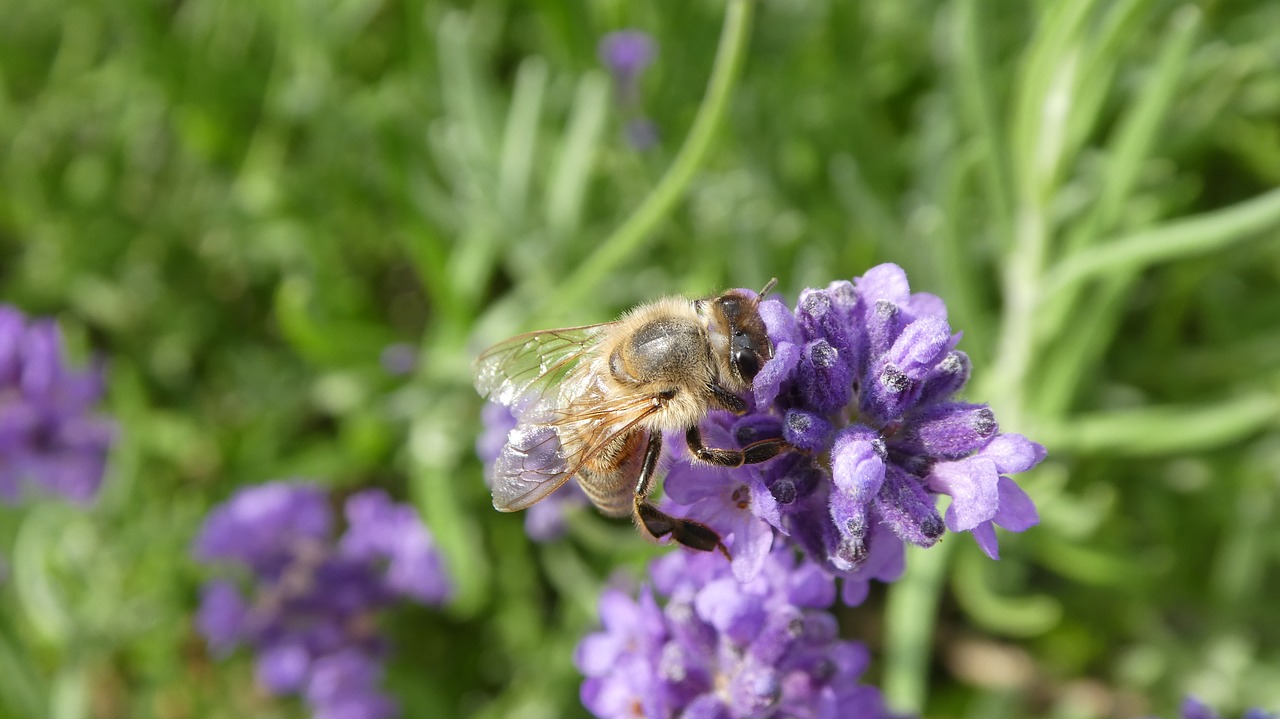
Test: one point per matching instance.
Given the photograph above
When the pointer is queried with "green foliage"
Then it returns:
(243, 204)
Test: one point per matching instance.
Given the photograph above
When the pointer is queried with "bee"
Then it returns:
(592, 403)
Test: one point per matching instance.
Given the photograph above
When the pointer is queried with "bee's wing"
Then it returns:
(526, 372)
(530, 466)
(534, 463)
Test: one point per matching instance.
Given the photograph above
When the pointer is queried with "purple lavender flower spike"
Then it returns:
(310, 599)
(726, 649)
(264, 527)
(1192, 708)
(51, 441)
(379, 529)
(627, 52)
(862, 385)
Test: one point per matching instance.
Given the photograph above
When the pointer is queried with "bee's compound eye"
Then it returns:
(747, 363)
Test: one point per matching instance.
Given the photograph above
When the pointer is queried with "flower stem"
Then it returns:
(909, 620)
(628, 237)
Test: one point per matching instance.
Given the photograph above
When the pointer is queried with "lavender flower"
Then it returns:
(399, 359)
(626, 54)
(310, 600)
(862, 383)
(1192, 708)
(50, 439)
(544, 521)
(725, 649)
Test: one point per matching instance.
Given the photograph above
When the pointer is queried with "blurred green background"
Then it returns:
(242, 204)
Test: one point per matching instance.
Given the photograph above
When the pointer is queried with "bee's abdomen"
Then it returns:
(609, 478)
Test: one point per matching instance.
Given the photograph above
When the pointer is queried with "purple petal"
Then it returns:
(1013, 453)
(764, 505)
(751, 543)
(282, 669)
(985, 535)
(597, 653)
(706, 706)
(923, 304)
(768, 382)
(687, 483)
(883, 282)
(1017, 513)
(810, 587)
(780, 323)
(973, 486)
(736, 614)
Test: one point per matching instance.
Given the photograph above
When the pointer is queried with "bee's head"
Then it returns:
(739, 336)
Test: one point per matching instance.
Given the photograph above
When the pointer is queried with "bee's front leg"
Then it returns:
(753, 453)
(659, 524)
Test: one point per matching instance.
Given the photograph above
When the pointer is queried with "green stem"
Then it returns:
(1162, 430)
(909, 619)
(1171, 241)
(625, 240)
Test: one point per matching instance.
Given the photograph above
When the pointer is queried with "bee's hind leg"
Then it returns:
(659, 524)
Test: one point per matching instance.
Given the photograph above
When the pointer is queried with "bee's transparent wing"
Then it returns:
(526, 372)
(531, 466)
(534, 463)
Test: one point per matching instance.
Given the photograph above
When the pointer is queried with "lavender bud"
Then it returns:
(908, 509)
(806, 430)
(948, 431)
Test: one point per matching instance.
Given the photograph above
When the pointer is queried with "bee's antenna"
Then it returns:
(767, 286)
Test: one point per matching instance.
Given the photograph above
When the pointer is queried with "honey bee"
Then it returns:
(592, 403)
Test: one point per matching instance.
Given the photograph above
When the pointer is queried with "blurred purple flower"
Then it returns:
(544, 521)
(309, 602)
(379, 530)
(862, 382)
(722, 648)
(1192, 708)
(399, 359)
(642, 133)
(51, 440)
(626, 54)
